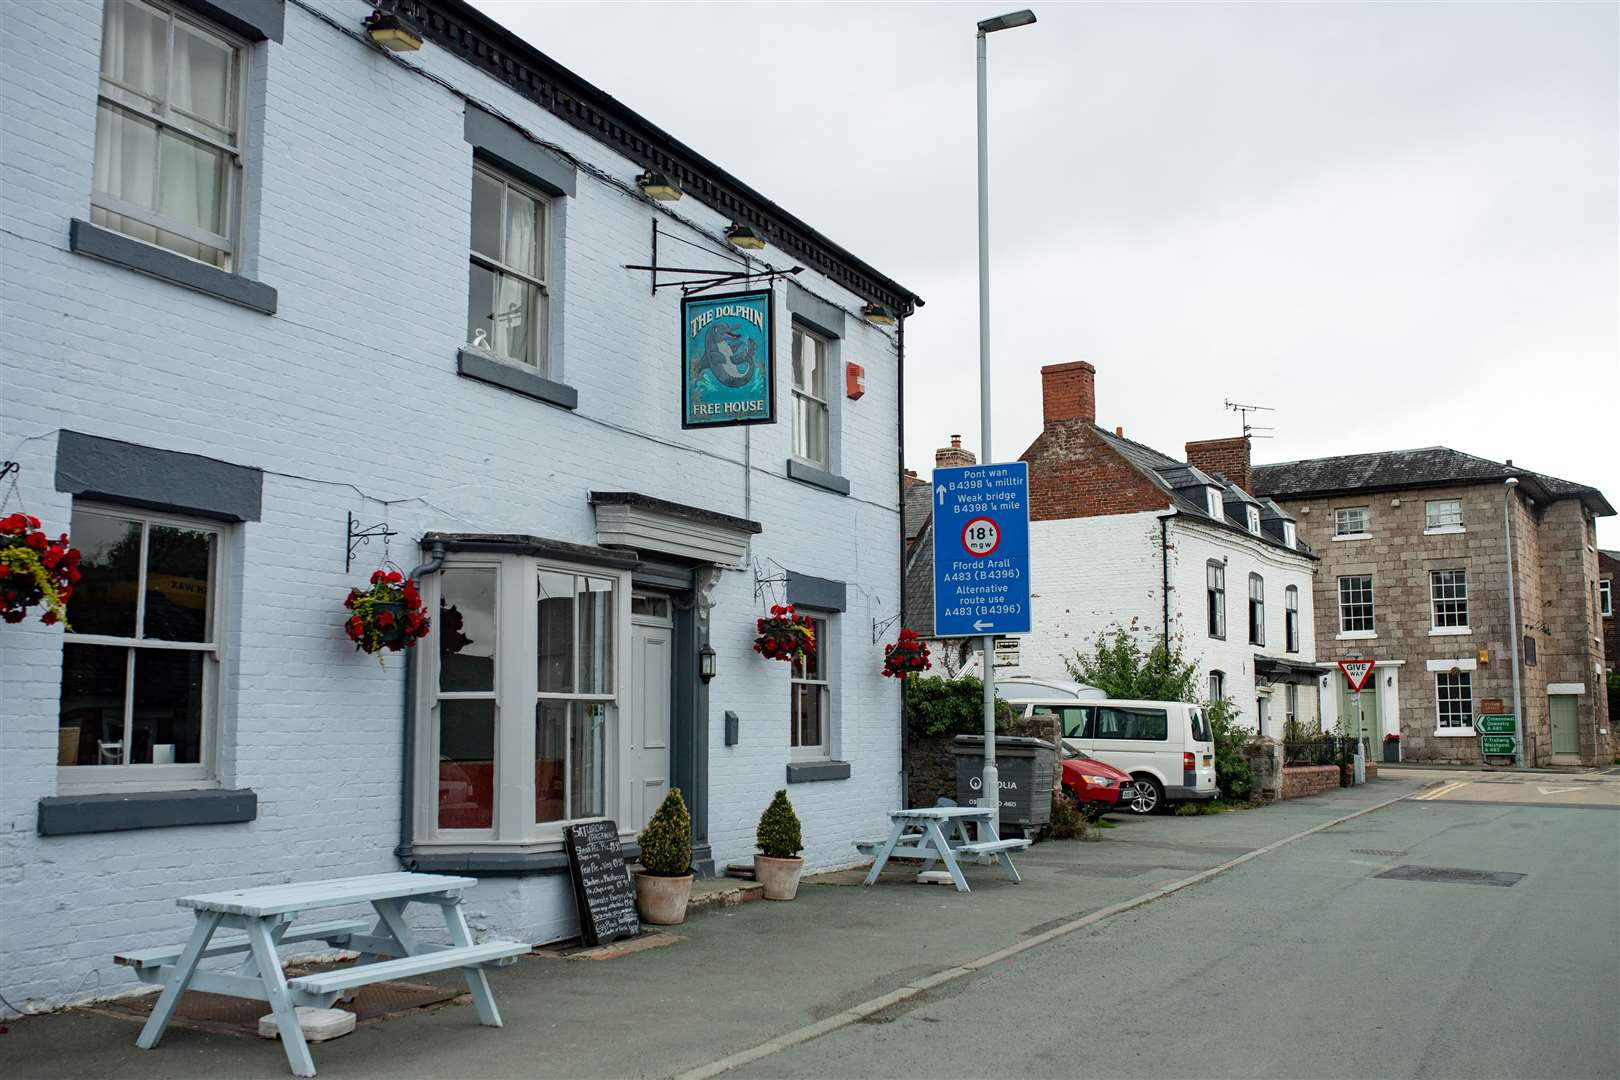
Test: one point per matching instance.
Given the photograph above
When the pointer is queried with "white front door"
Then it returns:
(652, 649)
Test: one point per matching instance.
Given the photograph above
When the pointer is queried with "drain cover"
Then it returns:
(1452, 875)
(1388, 852)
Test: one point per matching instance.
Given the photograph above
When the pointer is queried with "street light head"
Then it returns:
(1007, 22)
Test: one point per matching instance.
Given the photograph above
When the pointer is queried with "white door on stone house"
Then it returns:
(652, 650)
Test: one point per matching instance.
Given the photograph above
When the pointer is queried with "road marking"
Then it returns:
(1443, 789)
(968, 967)
(1557, 790)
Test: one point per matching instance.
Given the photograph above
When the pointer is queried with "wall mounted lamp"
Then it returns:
(655, 185)
(744, 237)
(706, 662)
(878, 315)
(394, 30)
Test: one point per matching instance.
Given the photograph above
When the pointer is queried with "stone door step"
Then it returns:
(728, 891)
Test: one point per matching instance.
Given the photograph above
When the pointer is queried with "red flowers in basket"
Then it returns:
(907, 656)
(786, 635)
(1391, 737)
(34, 569)
(387, 616)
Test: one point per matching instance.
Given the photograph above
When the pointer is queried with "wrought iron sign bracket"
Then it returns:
(356, 537)
(697, 279)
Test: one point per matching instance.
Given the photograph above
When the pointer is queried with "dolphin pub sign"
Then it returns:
(728, 360)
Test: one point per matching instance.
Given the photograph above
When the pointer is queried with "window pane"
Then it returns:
(556, 615)
(126, 157)
(466, 629)
(550, 760)
(809, 364)
(466, 764)
(809, 430)
(481, 307)
(586, 774)
(167, 725)
(91, 719)
(195, 180)
(103, 601)
(204, 77)
(178, 600)
(807, 714)
(522, 233)
(486, 215)
(595, 636)
(808, 665)
(516, 318)
(134, 39)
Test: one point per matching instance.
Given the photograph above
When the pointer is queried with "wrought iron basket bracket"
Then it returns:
(355, 537)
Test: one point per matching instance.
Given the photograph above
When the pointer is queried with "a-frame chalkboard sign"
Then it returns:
(603, 892)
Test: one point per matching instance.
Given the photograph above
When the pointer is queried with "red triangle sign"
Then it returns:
(1356, 673)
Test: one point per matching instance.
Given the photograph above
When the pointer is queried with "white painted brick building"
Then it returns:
(317, 366)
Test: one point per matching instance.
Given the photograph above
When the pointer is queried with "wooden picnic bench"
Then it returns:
(940, 834)
(388, 949)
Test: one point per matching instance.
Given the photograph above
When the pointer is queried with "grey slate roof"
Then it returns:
(1394, 470)
(918, 508)
(919, 612)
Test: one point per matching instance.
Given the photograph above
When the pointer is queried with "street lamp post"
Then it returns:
(990, 792)
(1510, 487)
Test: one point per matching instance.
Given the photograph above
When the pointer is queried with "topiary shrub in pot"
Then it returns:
(777, 866)
(664, 882)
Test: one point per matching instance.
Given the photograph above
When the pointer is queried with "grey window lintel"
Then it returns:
(67, 815)
(256, 20)
(485, 369)
(168, 480)
(499, 142)
(822, 594)
(809, 474)
(165, 265)
(808, 772)
(814, 312)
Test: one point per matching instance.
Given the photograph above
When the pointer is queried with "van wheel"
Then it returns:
(1148, 798)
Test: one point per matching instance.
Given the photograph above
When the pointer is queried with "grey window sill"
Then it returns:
(67, 815)
(144, 258)
(809, 772)
(496, 862)
(472, 364)
(809, 474)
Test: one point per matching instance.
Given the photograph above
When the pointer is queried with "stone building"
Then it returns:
(1414, 574)
(1608, 582)
(363, 288)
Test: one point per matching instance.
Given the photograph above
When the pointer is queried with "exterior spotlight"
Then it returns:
(1007, 22)
(655, 185)
(744, 237)
(706, 662)
(878, 315)
(393, 29)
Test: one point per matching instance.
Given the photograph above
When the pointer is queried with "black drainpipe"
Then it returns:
(407, 787)
(1164, 556)
(900, 394)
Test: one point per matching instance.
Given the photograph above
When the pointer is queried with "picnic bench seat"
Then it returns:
(990, 847)
(435, 959)
(335, 933)
(937, 834)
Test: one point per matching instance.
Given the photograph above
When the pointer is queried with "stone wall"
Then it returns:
(1265, 760)
(1299, 781)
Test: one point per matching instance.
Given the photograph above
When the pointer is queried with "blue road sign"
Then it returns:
(981, 550)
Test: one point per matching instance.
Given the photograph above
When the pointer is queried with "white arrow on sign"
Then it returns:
(980, 624)
(941, 490)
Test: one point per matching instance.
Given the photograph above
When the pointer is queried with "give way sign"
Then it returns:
(1356, 673)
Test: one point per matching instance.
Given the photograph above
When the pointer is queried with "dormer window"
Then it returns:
(1290, 539)
(1254, 520)
(1212, 501)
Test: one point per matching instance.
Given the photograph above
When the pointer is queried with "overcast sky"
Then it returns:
(1396, 225)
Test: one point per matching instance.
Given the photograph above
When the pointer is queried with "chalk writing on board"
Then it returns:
(603, 892)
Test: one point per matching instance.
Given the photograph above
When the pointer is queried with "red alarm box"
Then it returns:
(854, 381)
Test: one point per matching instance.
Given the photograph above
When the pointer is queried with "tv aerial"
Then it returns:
(1249, 430)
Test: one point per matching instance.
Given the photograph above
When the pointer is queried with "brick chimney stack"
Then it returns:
(1229, 457)
(953, 456)
(1069, 392)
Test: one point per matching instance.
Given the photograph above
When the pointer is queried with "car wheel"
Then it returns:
(1147, 798)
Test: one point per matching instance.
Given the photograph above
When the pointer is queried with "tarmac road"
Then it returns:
(1306, 963)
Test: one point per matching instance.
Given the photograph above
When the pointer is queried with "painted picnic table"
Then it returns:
(940, 834)
(388, 949)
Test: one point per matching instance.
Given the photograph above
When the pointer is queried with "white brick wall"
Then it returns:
(348, 398)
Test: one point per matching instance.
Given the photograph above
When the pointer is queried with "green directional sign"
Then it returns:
(1494, 724)
(1497, 744)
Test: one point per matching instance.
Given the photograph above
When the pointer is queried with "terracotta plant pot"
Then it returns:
(779, 876)
(662, 900)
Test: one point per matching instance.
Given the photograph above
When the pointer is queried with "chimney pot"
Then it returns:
(956, 442)
(1069, 392)
(1120, 431)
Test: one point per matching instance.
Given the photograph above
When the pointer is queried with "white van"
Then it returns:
(1166, 746)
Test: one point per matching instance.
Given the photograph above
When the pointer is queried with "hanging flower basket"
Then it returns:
(34, 569)
(907, 656)
(786, 635)
(386, 616)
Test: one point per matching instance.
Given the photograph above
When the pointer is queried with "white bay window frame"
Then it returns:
(517, 695)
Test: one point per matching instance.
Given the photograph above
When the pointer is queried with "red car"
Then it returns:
(1096, 787)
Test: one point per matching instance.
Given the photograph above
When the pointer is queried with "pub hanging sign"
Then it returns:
(728, 354)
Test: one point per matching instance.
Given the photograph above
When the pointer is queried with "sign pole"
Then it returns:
(1361, 756)
(990, 793)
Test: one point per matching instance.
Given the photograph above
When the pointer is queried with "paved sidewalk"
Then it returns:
(738, 976)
